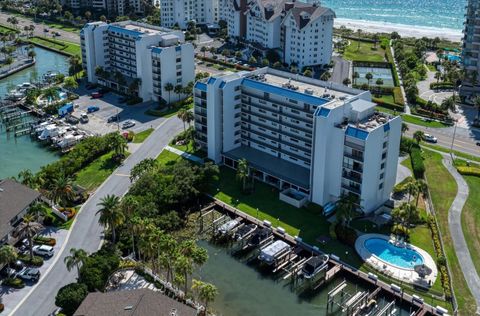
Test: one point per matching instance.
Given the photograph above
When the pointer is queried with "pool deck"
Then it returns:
(403, 274)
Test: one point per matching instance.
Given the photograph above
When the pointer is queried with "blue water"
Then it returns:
(400, 257)
(431, 13)
(22, 152)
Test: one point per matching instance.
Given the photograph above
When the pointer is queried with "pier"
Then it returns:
(289, 265)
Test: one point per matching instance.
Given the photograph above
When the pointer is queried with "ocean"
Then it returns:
(447, 14)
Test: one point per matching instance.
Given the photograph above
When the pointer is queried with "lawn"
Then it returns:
(387, 110)
(63, 27)
(167, 158)
(65, 47)
(471, 219)
(408, 163)
(455, 152)
(443, 189)
(422, 121)
(169, 112)
(7, 29)
(97, 172)
(59, 223)
(366, 52)
(140, 137)
(190, 148)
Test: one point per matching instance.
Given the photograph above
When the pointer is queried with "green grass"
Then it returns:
(455, 152)
(422, 122)
(63, 27)
(408, 163)
(366, 52)
(471, 220)
(97, 172)
(169, 112)
(140, 137)
(387, 110)
(431, 68)
(191, 150)
(443, 189)
(65, 47)
(7, 29)
(59, 223)
(167, 158)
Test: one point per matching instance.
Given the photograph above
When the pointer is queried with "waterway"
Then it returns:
(244, 289)
(21, 153)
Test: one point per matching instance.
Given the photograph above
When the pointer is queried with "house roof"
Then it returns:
(14, 198)
(304, 13)
(132, 303)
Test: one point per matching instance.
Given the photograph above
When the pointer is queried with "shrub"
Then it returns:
(48, 220)
(469, 171)
(36, 261)
(406, 144)
(388, 105)
(130, 136)
(16, 283)
(134, 100)
(398, 96)
(70, 297)
(2, 307)
(346, 234)
(45, 241)
(441, 85)
(97, 268)
(417, 162)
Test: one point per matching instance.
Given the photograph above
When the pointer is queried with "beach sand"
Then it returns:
(403, 30)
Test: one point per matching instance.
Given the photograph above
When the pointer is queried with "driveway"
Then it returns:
(341, 70)
(85, 232)
(10, 297)
(39, 27)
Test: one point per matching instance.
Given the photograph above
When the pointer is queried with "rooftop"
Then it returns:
(140, 28)
(132, 303)
(14, 198)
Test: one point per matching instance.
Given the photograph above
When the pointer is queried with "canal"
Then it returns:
(22, 152)
(243, 289)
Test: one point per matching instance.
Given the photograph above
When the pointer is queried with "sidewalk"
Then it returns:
(185, 155)
(11, 297)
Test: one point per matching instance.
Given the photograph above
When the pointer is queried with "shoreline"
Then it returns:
(402, 29)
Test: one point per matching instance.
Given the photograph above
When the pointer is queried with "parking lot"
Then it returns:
(10, 296)
(110, 105)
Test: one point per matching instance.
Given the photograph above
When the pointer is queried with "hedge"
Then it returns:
(16, 283)
(223, 63)
(45, 241)
(417, 162)
(388, 105)
(469, 171)
(36, 261)
(441, 85)
(445, 279)
(391, 60)
(398, 96)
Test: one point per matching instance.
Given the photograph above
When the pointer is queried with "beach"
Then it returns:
(403, 30)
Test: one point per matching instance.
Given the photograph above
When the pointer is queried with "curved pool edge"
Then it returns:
(394, 271)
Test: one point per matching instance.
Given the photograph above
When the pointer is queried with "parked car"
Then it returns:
(72, 120)
(43, 250)
(92, 108)
(477, 143)
(84, 117)
(96, 95)
(32, 274)
(57, 34)
(128, 124)
(430, 138)
(113, 118)
(8, 272)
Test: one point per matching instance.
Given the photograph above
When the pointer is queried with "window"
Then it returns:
(381, 176)
(385, 144)
(380, 186)
(384, 155)
(382, 166)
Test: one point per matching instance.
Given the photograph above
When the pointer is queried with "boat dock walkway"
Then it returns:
(336, 265)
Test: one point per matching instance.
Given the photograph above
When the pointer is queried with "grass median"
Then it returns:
(63, 47)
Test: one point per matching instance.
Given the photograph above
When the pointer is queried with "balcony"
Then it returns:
(356, 168)
(353, 156)
(356, 177)
(351, 188)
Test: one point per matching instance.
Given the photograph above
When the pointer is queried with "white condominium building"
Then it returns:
(180, 12)
(137, 58)
(471, 50)
(314, 139)
(302, 32)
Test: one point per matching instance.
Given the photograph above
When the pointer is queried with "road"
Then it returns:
(341, 70)
(86, 233)
(465, 139)
(39, 27)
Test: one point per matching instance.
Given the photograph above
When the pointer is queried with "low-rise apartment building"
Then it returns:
(318, 139)
(301, 32)
(175, 12)
(137, 59)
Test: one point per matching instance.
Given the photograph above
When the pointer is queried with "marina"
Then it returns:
(23, 152)
(318, 283)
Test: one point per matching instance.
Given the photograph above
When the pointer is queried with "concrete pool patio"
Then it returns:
(407, 275)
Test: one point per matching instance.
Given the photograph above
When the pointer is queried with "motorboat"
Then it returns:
(314, 265)
(69, 140)
(26, 85)
(244, 231)
(227, 227)
(270, 253)
(259, 236)
(49, 132)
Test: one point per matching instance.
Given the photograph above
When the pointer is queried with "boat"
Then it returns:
(314, 265)
(26, 85)
(49, 132)
(244, 231)
(15, 94)
(271, 252)
(227, 227)
(259, 236)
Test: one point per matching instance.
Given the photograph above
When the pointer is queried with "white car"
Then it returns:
(430, 138)
(43, 250)
(128, 124)
(32, 274)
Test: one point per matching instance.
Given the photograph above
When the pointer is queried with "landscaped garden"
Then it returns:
(63, 47)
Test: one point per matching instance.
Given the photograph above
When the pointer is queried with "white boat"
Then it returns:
(227, 227)
(40, 127)
(314, 265)
(69, 140)
(271, 252)
(49, 132)
(16, 94)
(26, 85)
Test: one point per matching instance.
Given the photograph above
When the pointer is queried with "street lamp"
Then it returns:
(453, 136)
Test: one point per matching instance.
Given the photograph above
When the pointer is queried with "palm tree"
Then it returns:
(169, 88)
(76, 259)
(110, 214)
(128, 205)
(326, 76)
(379, 83)
(347, 82)
(438, 76)
(178, 89)
(118, 144)
(355, 76)
(206, 291)
(243, 172)
(61, 189)
(418, 136)
(75, 65)
(449, 104)
(422, 189)
(369, 77)
(8, 254)
(476, 102)
(203, 49)
(404, 128)
(51, 94)
(31, 54)
(27, 177)
(70, 83)
(347, 207)
(38, 209)
(28, 228)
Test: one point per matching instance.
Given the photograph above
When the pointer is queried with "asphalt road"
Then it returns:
(465, 139)
(341, 70)
(39, 27)
(86, 233)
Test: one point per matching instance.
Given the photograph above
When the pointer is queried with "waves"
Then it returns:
(446, 14)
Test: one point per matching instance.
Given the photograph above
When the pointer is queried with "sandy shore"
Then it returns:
(403, 30)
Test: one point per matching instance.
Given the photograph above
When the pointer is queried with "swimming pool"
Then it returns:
(404, 258)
